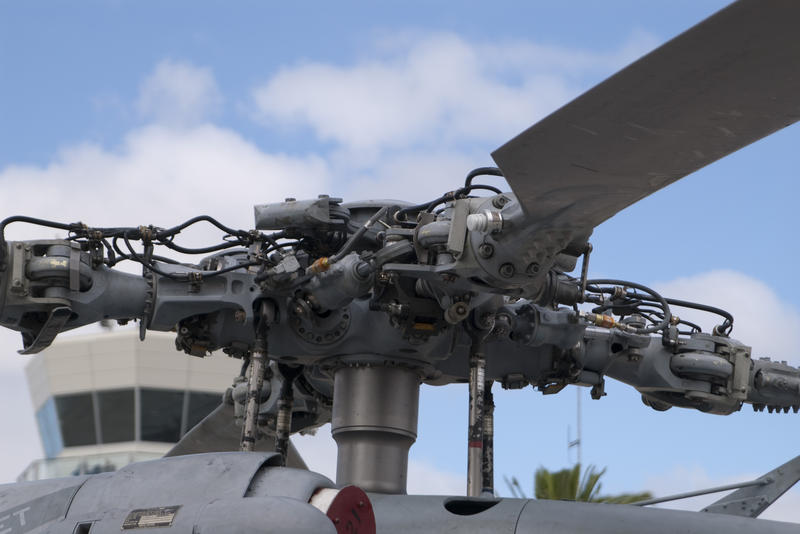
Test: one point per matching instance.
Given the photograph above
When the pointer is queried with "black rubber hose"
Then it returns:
(661, 300)
(357, 235)
(168, 232)
(31, 220)
(481, 171)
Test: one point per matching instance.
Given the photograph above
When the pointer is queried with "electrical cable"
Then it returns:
(661, 300)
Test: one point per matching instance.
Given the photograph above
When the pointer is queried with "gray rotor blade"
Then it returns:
(723, 84)
(218, 433)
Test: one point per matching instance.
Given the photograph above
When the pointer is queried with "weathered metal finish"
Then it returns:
(415, 514)
(374, 424)
(723, 84)
(477, 383)
(255, 380)
(218, 432)
(750, 501)
(488, 441)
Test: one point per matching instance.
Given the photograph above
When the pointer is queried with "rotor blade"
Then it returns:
(725, 83)
(752, 500)
(218, 433)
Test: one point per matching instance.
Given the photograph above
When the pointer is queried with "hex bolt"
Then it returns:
(485, 251)
(506, 270)
(499, 202)
(456, 313)
(533, 268)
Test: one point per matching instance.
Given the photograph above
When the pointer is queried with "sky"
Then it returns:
(123, 113)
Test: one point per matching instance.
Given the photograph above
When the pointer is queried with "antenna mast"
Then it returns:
(577, 443)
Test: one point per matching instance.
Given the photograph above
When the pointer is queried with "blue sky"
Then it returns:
(119, 112)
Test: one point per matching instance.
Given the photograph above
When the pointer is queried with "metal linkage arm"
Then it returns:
(713, 374)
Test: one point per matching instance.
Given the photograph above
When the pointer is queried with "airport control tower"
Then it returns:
(105, 400)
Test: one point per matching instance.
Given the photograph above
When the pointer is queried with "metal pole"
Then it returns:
(580, 441)
(283, 423)
(374, 423)
(488, 440)
(255, 380)
(688, 494)
(477, 373)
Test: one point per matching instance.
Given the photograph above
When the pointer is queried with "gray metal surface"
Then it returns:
(374, 424)
(218, 432)
(237, 493)
(714, 89)
(750, 501)
(398, 514)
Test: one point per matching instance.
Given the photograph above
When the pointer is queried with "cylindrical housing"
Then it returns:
(374, 423)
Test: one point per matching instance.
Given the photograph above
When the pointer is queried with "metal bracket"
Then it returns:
(55, 322)
(751, 501)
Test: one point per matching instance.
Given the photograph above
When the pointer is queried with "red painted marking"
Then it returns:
(476, 444)
(351, 512)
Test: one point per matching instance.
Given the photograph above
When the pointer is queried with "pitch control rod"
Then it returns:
(283, 423)
(477, 385)
(255, 380)
(488, 440)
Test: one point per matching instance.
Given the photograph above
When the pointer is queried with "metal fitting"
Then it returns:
(320, 265)
(486, 222)
(507, 270)
(485, 251)
(500, 201)
(533, 268)
(456, 313)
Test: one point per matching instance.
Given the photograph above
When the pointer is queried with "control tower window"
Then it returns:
(76, 419)
(200, 405)
(161, 414)
(116, 415)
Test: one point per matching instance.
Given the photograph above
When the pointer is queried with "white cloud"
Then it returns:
(433, 90)
(179, 93)
(159, 175)
(440, 92)
(762, 320)
(682, 479)
(319, 453)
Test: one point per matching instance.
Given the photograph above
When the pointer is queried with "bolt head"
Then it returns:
(500, 201)
(485, 251)
(533, 268)
(507, 270)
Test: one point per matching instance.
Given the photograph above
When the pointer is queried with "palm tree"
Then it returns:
(568, 484)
